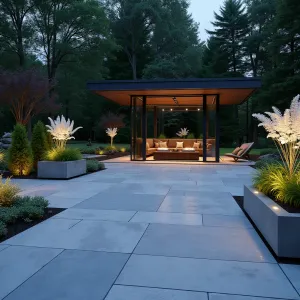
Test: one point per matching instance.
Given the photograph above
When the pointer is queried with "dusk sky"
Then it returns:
(203, 13)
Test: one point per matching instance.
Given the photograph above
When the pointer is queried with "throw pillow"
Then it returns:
(163, 144)
(241, 151)
(179, 145)
(147, 146)
(196, 146)
(156, 145)
(236, 150)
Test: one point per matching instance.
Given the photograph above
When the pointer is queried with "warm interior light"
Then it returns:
(198, 109)
(186, 109)
(171, 109)
(163, 109)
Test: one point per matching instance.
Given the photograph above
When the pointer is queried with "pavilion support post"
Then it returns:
(155, 122)
(218, 128)
(204, 127)
(144, 128)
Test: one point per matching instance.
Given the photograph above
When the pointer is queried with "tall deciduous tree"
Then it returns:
(15, 29)
(25, 92)
(66, 28)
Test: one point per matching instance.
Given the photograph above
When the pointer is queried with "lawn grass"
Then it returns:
(83, 145)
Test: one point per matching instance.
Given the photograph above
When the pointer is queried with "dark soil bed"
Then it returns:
(240, 201)
(114, 155)
(7, 174)
(20, 226)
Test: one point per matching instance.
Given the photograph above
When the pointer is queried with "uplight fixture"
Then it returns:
(256, 192)
(275, 207)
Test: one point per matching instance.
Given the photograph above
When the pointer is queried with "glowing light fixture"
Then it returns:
(275, 207)
(256, 192)
(186, 109)
(198, 109)
(163, 109)
(171, 109)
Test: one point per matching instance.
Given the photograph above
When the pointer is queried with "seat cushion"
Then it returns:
(236, 150)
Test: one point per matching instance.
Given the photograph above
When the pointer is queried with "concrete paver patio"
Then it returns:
(139, 232)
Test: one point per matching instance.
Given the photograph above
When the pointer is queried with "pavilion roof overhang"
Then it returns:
(187, 91)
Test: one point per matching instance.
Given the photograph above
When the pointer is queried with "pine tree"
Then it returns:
(20, 160)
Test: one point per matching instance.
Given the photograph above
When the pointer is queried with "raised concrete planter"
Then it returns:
(61, 169)
(279, 227)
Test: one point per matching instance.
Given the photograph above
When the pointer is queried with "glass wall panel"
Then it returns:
(211, 132)
(136, 128)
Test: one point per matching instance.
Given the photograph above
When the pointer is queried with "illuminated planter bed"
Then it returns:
(279, 227)
(61, 169)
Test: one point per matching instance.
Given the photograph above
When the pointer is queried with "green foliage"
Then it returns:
(39, 143)
(265, 162)
(94, 165)
(275, 181)
(25, 208)
(110, 149)
(20, 159)
(3, 229)
(49, 139)
(89, 150)
(8, 192)
(191, 136)
(162, 136)
(67, 154)
(268, 151)
(3, 160)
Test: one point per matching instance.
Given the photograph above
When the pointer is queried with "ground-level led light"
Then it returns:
(256, 192)
(275, 207)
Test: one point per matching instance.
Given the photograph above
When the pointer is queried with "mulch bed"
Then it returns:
(114, 155)
(20, 225)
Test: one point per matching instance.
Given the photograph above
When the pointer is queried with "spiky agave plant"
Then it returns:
(111, 132)
(284, 129)
(61, 131)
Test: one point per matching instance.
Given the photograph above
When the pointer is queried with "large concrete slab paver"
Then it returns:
(237, 297)
(217, 276)
(74, 275)
(204, 242)
(167, 218)
(123, 201)
(96, 214)
(204, 203)
(226, 221)
(119, 292)
(293, 274)
(84, 235)
(17, 264)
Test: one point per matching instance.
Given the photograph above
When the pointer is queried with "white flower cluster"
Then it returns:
(183, 132)
(284, 128)
(61, 130)
(112, 132)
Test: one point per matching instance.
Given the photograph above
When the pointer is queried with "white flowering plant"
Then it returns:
(183, 132)
(284, 129)
(61, 131)
(111, 132)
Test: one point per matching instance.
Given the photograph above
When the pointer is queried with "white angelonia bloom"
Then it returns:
(61, 130)
(111, 132)
(183, 132)
(284, 129)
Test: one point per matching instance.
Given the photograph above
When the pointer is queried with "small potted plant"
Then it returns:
(274, 199)
(61, 162)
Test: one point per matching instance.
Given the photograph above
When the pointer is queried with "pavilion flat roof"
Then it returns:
(187, 91)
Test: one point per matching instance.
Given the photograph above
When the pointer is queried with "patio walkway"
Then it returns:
(144, 232)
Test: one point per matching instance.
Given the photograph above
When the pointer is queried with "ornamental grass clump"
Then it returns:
(61, 154)
(282, 180)
(8, 192)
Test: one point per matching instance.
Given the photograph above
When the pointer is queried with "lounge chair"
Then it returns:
(241, 152)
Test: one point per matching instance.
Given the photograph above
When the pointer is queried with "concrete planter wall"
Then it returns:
(61, 169)
(279, 227)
